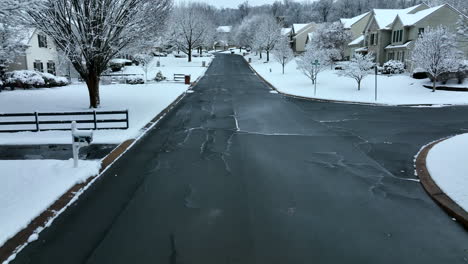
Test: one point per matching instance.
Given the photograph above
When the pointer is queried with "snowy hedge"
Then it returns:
(393, 67)
(32, 79)
(134, 80)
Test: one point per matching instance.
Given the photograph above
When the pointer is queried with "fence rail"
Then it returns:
(36, 119)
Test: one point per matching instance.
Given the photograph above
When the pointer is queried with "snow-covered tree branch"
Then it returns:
(436, 52)
(91, 32)
(283, 52)
(267, 34)
(190, 28)
(312, 62)
(358, 67)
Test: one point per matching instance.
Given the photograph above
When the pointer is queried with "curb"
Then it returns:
(20, 240)
(429, 185)
(334, 101)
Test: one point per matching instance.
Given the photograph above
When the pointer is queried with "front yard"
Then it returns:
(398, 89)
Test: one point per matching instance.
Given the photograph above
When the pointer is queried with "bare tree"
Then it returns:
(190, 28)
(268, 33)
(436, 52)
(283, 52)
(91, 32)
(324, 8)
(358, 67)
(312, 62)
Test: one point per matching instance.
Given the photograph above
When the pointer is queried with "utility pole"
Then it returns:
(376, 72)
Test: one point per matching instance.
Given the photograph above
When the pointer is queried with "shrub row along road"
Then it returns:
(237, 174)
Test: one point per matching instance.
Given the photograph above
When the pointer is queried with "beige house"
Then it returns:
(356, 26)
(299, 34)
(390, 33)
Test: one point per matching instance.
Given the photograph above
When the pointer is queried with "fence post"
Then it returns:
(36, 117)
(126, 117)
(95, 119)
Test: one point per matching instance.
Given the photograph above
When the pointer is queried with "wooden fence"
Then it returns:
(21, 122)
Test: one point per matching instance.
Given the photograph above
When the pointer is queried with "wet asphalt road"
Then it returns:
(236, 174)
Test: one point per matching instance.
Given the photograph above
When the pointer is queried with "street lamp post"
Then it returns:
(376, 72)
(316, 63)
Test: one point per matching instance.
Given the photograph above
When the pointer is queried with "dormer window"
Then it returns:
(397, 35)
(420, 31)
(42, 40)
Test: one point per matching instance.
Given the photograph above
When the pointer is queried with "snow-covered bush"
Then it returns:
(159, 77)
(358, 67)
(52, 80)
(460, 73)
(393, 67)
(134, 80)
(24, 79)
(30, 79)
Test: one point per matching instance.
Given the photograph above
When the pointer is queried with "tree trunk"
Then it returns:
(190, 54)
(283, 68)
(434, 84)
(359, 85)
(260, 55)
(93, 88)
(268, 55)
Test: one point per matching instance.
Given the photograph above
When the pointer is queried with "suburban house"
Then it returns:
(299, 34)
(223, 37)
(390, 34)
(356, 26)
(41, 55)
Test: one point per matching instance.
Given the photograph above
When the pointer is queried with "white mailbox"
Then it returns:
(80, 138)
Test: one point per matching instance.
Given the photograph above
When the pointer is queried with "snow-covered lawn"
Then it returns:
(144, 101)
(448, 166)
(28, 187)
(392, 90)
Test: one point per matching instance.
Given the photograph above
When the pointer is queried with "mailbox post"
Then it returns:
(80, 138)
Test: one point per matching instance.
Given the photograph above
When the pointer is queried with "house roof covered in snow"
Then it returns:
(286, 31)
(357, 41)
(348, 22)
(411, 19)
(298, 27)
(399, 46)
(385, 17)
(224, 29)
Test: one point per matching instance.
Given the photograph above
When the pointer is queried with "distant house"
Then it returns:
(356, 26)
(299, 34)
(390, 34)
(41, 55)
(223, 37)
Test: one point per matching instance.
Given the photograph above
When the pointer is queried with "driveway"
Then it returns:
(237, 174)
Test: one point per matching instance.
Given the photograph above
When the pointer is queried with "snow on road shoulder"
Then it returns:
(28, 187)
(448, 167)
(392, 89)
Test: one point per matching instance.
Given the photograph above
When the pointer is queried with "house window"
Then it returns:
(42, 40)
(51, 67)
(376, 38)
(38, 66)
(403, 56)
(420, 31)
(390, 56)
(397, 36)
